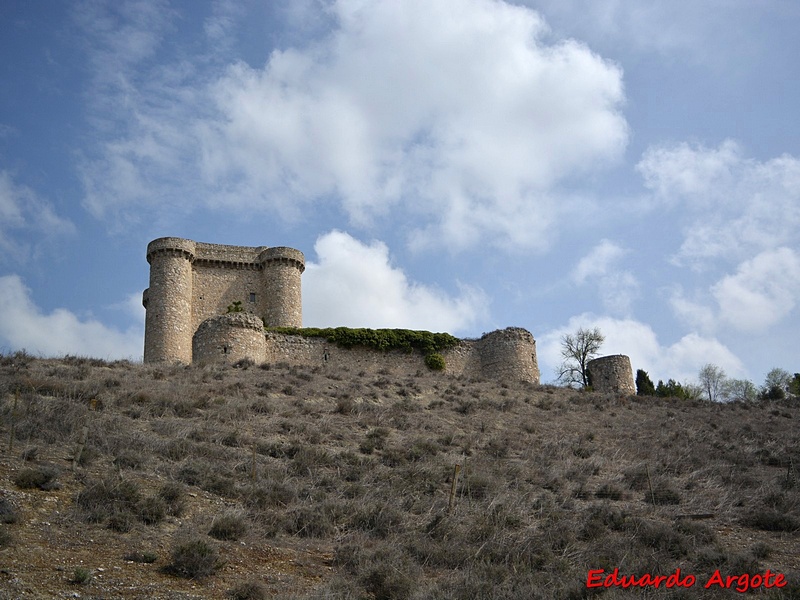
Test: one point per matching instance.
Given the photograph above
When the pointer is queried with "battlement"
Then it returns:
(284, 255)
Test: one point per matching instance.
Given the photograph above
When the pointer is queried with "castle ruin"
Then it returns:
(192, 284)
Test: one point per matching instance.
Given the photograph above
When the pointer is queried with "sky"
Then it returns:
(451, 165)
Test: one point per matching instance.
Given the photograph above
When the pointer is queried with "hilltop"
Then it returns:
(122, 480)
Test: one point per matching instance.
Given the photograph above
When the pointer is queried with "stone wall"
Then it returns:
(193, 283)
(229, 338)
(508, 354)
(612, 374)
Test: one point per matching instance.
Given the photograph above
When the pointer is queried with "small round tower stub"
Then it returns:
(229, 338)
(612, 374)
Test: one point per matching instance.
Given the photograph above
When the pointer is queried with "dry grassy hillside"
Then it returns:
(261, 482)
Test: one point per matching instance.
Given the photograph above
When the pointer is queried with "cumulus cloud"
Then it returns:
(762, 292)
(680, 360)
(354, 284)
(22, 212)
(616, 288)
(735, 206)
(456, 120)
(24, 326)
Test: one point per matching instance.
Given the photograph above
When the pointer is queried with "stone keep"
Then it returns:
(191, 282)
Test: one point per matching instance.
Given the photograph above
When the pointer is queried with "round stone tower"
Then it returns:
(612, 374)
(509, 354)
(229, 338)
(168, 300)
(281, 270)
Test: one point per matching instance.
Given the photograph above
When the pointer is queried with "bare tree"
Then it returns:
(577, 350)
(741, 390)
(712, 380)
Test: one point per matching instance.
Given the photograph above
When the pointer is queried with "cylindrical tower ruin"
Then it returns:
(509, 354)
(282, 268)
(612, 374)
(168, 301)
(229, 338)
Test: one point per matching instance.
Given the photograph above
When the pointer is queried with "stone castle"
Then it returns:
(192, 284)
(192, 281)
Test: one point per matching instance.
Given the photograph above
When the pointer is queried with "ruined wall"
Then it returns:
(612, 374)
(191, 282)
(508, 354)
(229, 338)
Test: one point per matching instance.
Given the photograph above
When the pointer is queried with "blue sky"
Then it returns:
(455, 165)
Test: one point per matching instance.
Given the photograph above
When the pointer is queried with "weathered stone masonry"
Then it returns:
(192, 284)
(192, 281)
(612, 374)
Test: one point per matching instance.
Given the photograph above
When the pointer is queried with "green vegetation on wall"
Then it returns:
(430, 344)
(435, 361)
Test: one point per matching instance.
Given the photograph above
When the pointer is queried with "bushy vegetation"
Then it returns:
(193, 559)
(378, 339)
(342, 488)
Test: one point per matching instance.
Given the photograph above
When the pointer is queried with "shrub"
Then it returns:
(139, 556)
(435, 361)
(81, 576)
(663, 495)
(609, 491)
(152, 510)
(121, 522)
(662, 537)
(5, 536)
(7, 513)
(174, 498)
(379, 339)
(250, 590)
(345, 405)
(769, 519)
(228, 526)
(42, 477)
(313, 520)
(106, 497)
(193, 559)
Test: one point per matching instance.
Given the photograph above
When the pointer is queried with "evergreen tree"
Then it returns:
(644, 385)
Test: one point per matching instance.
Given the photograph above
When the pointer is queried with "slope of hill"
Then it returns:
(122, 480)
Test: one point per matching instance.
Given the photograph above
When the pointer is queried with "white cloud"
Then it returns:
(706, 33)
(24, 326)
(735, 206)
(354, 284)
(681, 360)
(763, 291)
(456, 120)
(616, 288)
(697, 314)
(23, 212)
